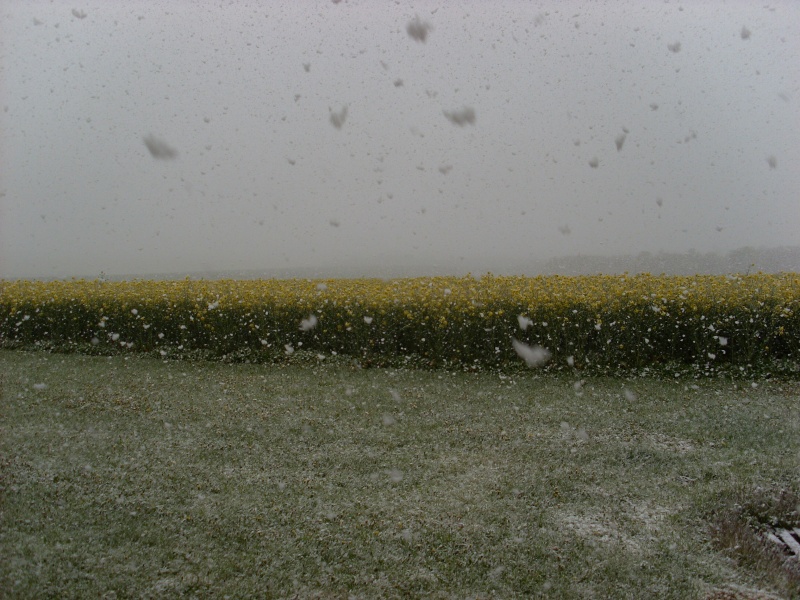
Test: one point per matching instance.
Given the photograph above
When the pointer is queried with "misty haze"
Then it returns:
(358, 138)
(400, 299)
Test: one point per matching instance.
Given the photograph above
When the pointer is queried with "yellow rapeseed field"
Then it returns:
(612, 321)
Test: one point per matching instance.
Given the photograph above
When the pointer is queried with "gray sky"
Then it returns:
(709, 93)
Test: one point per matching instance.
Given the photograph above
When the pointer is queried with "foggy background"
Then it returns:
(145, 138)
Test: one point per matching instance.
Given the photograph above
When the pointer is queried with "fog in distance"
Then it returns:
(367, 138)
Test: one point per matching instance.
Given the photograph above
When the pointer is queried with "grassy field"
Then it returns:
(127, 476)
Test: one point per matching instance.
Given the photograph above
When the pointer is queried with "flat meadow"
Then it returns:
(139, 459)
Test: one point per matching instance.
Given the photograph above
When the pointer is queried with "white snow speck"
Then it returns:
(309, 323)
(461, 117)
(417, 29)
(534, 356)
(134, 311)
(78, 14)
(289, 348)
(213, 305)
(496, 573)
(321, 287)
(115, 336)
(39, 386)
(395, 475)
(368, 320)
(524, 322)
(388, 420)
(629, 395)
(723, 341)
(571, 361)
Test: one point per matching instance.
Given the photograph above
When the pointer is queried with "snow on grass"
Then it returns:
(144, 477)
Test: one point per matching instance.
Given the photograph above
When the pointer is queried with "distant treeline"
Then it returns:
(785, 259)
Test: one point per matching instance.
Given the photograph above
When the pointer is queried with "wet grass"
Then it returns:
(127, 476)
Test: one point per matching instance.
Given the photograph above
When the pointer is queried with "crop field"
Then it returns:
(598, 324)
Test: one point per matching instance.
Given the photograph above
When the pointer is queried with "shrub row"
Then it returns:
(619, 322)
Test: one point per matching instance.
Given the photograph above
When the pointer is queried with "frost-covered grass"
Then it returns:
(131, 477)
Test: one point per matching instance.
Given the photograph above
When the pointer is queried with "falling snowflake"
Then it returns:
(338, 119)
(745, 33)
(524, 322)
(461, 117)
(395, 475)
(368, 320)
(309, 323)
(417, 29)
(676, 47)
(78, 14)
(159, 149)
(534, 356)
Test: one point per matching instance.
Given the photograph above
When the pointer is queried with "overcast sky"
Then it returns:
(261, 177)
